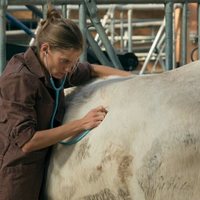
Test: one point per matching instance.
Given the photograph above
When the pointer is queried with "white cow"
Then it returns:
(147, 148)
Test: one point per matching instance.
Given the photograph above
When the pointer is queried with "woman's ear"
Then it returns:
(44, 48)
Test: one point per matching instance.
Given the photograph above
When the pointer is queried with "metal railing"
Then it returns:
(75, 2)
(91, 4)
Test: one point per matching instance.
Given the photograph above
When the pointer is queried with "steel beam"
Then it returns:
(92, 13)
(184, 34)
(59, 2)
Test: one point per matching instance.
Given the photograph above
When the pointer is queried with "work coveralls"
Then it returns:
(26, 106)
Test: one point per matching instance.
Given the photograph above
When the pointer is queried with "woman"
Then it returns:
(32, 106)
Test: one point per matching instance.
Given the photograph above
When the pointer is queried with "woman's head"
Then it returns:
(60, 43)
(58, 32)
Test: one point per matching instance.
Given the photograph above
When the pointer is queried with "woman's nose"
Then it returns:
(68, 68)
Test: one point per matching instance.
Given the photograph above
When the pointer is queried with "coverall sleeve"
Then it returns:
(17, 106)
(81, 75)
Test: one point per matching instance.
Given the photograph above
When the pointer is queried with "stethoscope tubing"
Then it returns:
(57, 92)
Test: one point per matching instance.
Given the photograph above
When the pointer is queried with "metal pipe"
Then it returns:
(198, 30)
(75, 2)
(104, 21)
(92, 12)
(137, 24)
(160, 47)
(123, 7)
(107, 45)
(98, 52)
(20, 24)
(162, 40)
(44, 10)
(135, 6)
(159, 59)
(112, 25)
(3, 4)
(130, 12)
(184, 35)
(155, 42)
(64, 11)
(169, 35)
(35, 10)
(83, 28)
(140, 38)
(122, 31)
(174, 40)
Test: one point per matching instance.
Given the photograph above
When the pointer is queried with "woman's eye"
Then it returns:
(64, 61)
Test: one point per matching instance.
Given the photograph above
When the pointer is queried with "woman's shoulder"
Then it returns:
(14, 64)
(17, 73)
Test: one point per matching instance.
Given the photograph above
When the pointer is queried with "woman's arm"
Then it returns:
(45, 138)
(102, 71)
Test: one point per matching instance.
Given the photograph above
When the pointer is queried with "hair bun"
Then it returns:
(53, 14)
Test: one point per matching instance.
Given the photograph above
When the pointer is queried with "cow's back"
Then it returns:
(147, 147)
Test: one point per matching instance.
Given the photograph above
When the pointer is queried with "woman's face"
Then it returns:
(61, 62)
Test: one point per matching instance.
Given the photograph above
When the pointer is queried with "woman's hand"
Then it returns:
(45, 138)
(94, 117)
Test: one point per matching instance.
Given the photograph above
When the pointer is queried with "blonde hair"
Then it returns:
(59, 32)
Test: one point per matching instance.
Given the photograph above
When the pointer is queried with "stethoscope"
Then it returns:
(57, 94)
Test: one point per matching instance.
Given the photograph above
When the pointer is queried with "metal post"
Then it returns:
(169, 34)
(97, 50)
(44, 10)
(174, 40)
(122, 31)
(83, 28)
(92, 11)
(198, 30)
(184, 35)
(3, 4)
(155, 43)
(130, 30)
(64, 11)
(104, 22)
(112, 25)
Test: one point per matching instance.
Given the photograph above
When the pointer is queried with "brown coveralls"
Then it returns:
(26, 105)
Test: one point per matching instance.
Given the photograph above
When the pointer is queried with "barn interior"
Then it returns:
(142, 36)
